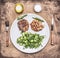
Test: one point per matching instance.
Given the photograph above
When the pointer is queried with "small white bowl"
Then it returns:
(37, 8)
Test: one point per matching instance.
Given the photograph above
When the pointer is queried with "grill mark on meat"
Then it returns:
(23, 25)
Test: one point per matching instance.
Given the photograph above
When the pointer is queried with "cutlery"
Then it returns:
(7, 28)
(52, 28)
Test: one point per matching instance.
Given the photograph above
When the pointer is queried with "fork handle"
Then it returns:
(7, 39)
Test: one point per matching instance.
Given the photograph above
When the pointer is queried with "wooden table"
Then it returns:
(8, 12)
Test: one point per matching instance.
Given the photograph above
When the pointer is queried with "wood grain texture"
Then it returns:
(8, 12)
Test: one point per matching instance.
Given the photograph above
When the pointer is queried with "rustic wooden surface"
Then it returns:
(8, 12)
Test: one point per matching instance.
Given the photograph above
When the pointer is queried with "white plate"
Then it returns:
(15, 33)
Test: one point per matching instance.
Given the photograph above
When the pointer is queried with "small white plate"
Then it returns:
(15, 33)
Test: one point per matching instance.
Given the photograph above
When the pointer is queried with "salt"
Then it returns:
(37, 8)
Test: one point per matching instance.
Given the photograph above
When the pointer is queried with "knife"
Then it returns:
(52, 31)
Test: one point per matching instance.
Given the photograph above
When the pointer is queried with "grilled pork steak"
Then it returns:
(23, 25)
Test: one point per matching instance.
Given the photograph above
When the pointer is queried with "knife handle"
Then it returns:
(7, 39)
(52, 38)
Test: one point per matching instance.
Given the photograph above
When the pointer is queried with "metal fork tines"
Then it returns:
(7, 25)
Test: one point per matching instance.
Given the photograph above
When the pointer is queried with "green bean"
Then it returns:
(21, 17)
(38, 19)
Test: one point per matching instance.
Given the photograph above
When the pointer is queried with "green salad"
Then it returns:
(29, 40)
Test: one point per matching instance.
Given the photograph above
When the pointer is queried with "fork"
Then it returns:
(7, 28)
